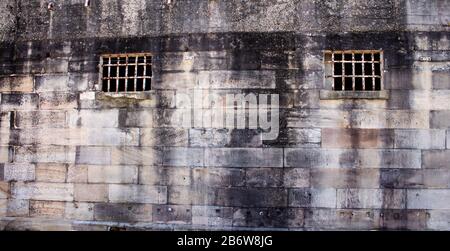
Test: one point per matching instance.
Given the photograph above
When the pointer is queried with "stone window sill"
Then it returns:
(128, 95)
(328, 94)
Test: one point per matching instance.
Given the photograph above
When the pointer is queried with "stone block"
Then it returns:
(170, 176)
(218, 177)
(90, 192)
(179, 156)
(90, 155)
(18, 208)
(129, 155)
(415, 178)
(47, 209)
(428, 199)
(296, 177)
(51, 173)
(137, 194)
(312, 197)
(341, 219)
(40, 119)
(371, 198)
(123, 212)
(212, 216)
(344, 177)
(172, 214)
(252, 197)
(92, 118)
(440, 119)
(438, 220)
(357, 138)
(408, 119)
(319, 118)
(52, 83)
(268, 217)
(237, 80)
(355, 158)
(244, 157)
(46, 154)
(58, 100)
(18, 172)
(191, 195)
(163, 137)
(79, 211)
(77, 174)
(43, 191)
(112, 174)
(16, 84)
(29, 101)
(420, 139)
(4, 190)
(264, 177)
(436, 159)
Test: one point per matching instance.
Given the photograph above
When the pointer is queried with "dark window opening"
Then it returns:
(126, 72)
(355, 70)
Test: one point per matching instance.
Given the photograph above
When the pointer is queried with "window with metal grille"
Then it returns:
(351, 70)
(126, 72)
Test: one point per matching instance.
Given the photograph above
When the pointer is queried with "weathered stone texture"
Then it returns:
(75, 158)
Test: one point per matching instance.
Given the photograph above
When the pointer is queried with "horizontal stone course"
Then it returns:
(428, 198)
(137, 194)
(112, 174)
(21, 84)
(362, 158)
(244, 157)
(43, 191)
(312, 198)
(91, 192)
(118, 212)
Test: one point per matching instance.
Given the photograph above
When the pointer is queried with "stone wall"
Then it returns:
(72, 157)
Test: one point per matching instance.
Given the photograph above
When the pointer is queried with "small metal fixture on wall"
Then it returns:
(51, 6)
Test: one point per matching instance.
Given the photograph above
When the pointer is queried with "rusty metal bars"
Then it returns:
(127, 72)
(376, 78)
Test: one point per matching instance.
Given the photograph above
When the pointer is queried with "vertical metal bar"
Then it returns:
(373, 73)
(136, 59)
(109, 75)
(144, 74)
(363, 73)
(381, 70)
(343, 72)
(353, 72)
(117, 73)
(126, 73)
(332, 71)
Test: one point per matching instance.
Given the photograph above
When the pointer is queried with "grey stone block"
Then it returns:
(420, 139)
(244, 157)
(312, 197)
(428, 199)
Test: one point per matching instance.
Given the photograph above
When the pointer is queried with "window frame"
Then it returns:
(127, 55)
(327, 92)
(330, 76)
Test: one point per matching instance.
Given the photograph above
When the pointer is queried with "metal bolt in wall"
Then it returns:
(50, 6)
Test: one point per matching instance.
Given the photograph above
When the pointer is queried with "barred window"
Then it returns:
(126, 72)
(351, 70)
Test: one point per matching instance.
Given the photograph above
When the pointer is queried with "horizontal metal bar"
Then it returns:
(356, 61)
(140, 77)
(358, 76)
(130, 64)
(353, 51)
(127, 54)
